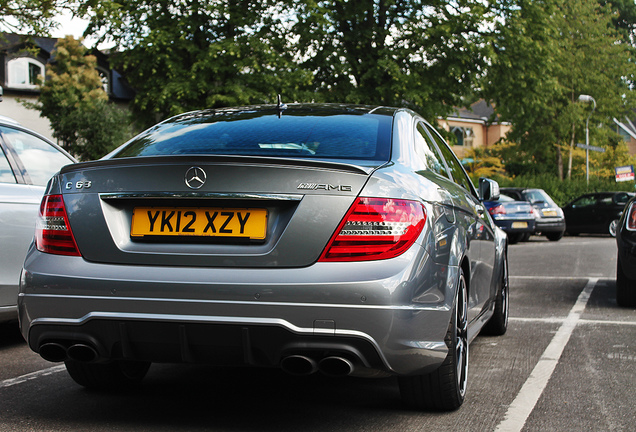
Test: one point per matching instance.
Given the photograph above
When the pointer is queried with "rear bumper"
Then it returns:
(516, 226)
(390, 316)
(550, 225)
(8, 313)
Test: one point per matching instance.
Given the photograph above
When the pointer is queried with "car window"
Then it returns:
(585, 201)
(536, 195)
(457, 172)
(605, 201)
(428, 152)
(6, 173)
(621, 198)
(40, 159)
(346, 136)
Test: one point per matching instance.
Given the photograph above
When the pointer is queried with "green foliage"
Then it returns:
(74, 101)
(564, 191)
(30, 16)
(425, 55)
(624, 17)
(484, 162)
(182, 56)
(186, 55)
(545, 54)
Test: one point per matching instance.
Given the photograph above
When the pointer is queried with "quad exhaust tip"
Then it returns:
(335, 366)
(53, 352)
(299, 365)
(57, 352)
(303, 365)
(82, 353)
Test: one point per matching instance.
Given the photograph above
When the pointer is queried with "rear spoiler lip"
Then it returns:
(353, 166)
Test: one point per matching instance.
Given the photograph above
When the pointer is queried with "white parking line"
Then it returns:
(31, 376)
(597, 276)
(532, 389)
(561, 320)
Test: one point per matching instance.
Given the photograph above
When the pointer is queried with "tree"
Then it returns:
(30, 16)
(74, 101)
(624, 18)
(188, 54)
(545, 54)
(422, 54)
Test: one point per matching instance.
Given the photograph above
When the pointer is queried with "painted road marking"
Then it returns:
(31, 376)
(532, 389)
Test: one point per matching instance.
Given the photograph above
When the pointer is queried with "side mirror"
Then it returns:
(488, 189)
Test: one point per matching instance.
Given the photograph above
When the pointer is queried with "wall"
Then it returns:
(10, 107)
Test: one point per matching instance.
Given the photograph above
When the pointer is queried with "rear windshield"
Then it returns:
(336, 136)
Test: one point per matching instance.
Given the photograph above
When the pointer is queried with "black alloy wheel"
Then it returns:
(445, 388)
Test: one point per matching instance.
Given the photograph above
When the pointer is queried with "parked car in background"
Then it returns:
(516, 218)
(335, 238)
(626, 263)
(596, 213)
(27, 162)
(550, 220)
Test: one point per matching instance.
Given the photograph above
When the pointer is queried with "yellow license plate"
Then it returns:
(549, 213)
(203, 222)
(520, 224)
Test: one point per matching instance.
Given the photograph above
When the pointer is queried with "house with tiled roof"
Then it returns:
(626, 128)
(474, 126)
(23, 60)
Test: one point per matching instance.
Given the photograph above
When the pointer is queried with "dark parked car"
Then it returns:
(595, 212)
(550, 220)
(334, 238)
(626, 266)
(27, 162)
(516, 218)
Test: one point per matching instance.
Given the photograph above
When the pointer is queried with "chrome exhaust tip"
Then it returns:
(336, 366)
(52, 351)
(82, 353)
(299, 365)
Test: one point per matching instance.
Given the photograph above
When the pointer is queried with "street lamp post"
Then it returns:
(587, 98)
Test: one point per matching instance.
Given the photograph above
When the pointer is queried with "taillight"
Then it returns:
(376, 229)
(497, 210)
(631, 218)
(52, 232)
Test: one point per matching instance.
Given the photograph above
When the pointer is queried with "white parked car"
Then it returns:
(27, 162)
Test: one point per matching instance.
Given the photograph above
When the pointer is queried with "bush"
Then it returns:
(565, 191)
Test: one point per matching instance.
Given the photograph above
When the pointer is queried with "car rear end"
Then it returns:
(626, 263)
(516, 218)
(284, 254)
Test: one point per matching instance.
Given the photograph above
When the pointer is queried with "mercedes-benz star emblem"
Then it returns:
(195, 178)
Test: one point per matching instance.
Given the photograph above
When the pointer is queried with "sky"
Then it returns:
(73, 26)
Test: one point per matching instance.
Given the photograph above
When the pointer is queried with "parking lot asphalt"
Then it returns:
(567, 363)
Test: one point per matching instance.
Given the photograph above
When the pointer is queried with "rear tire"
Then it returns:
(625, 288)
(116, 375)
(554, 236)
(445, 388)
(498, 323)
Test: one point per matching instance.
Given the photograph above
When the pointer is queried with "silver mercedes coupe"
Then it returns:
(340, 239)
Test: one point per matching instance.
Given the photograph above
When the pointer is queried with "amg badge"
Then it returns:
(324, 186)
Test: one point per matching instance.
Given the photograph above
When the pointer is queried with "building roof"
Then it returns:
(13, 43)
(627, 125)
(480, 111)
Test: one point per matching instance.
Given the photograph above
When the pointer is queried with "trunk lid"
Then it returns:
(237, 211)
